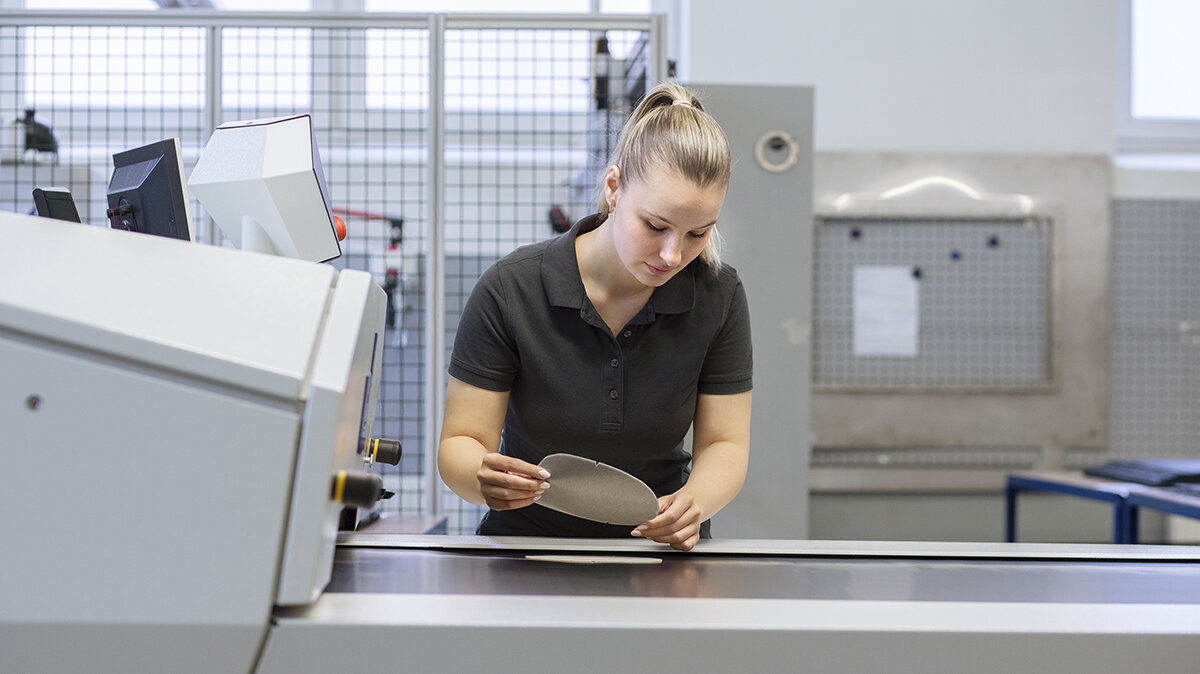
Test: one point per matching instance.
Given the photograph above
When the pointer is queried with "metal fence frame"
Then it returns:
(437, 25)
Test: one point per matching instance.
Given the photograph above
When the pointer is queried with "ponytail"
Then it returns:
(670, 130)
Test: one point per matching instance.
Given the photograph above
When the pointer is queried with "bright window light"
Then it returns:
(90, 4)
(397, 69)
(249, 5)
(481, 6)
(273, 5)
(269, 5)
(1165, 59)
(267, 68)
(517, 72)
(625, 6)
(521, 6)
(77, 66)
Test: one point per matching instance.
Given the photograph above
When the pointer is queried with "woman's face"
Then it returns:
(661, 223)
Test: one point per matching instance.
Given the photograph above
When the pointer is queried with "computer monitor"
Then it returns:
(261, 182)
(147, 194)
(55, 202)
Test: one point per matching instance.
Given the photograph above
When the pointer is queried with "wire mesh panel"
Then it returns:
(99, 90)
(387, 187)
(267, 71)
(982, 309)
(526, 137)
(1155, 342)
(530, 117)
(374, 151)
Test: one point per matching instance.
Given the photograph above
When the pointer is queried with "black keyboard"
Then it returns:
(1185, 488)
(1152, 472)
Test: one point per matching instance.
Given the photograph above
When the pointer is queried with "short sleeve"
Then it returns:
(484, 354)
(729, 364)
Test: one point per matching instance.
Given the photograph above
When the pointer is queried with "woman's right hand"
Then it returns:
(508, 483)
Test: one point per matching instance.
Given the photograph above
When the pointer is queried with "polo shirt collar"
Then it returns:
(564, 284)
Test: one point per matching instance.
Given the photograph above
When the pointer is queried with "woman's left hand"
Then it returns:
(677, 523)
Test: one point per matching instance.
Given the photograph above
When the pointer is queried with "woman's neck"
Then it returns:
(604, 275)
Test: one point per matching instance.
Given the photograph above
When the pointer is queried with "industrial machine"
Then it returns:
(182, 426)
(178, 423)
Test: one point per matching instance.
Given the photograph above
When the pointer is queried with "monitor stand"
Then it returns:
(255, 239)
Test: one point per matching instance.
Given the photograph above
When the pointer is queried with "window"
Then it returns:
(278, 5)
(1164, 59)
(1158, 107)
(517, 71)
(625, 6)
(266, 68)
(445, 6)
(82, 66)
(92, 4)
(521, 6)
(68, 66)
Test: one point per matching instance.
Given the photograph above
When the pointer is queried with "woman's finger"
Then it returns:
(507, 464)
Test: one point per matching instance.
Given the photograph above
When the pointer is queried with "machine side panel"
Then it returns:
(123, 649)
(135, 496)
(342, 376)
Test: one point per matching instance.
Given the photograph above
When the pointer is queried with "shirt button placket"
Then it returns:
(612, 384)
(614, 378)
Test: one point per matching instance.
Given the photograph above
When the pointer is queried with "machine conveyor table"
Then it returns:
(470, 603)
(766, 576)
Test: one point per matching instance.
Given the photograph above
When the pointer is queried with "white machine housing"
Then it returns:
(261, 181)
(172, 416)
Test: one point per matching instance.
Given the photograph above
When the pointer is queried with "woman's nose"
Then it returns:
(671, 253)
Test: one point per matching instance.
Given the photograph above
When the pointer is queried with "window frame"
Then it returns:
(1137, 134)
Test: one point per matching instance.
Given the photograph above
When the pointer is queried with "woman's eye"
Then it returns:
(653, 228)
(697, 235)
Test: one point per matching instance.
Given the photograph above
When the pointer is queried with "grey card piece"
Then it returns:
(596, 491)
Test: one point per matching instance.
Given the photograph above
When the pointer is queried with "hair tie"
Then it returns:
(680, 101)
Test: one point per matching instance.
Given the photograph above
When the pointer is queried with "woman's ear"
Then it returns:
(612, 182)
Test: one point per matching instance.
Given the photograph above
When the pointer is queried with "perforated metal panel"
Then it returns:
(984, 315)
(1155, 343)
(926, 457)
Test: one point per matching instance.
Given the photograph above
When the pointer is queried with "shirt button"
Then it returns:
(614, 362)
(612, 394)
(628, 333)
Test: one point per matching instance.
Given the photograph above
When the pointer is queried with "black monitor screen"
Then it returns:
(55, 202)
(146, 193)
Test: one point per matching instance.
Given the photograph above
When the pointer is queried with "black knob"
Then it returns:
(359, 490)
(384, 451)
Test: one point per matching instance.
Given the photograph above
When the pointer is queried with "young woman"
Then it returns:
(608, 342)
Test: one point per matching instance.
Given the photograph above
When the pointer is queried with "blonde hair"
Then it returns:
(670, 130)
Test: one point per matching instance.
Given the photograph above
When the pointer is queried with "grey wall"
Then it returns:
(1010, 76)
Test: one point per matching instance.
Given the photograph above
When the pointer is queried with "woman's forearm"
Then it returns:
(721, 450)
(459, 458)
(718, 473)
(470, 429)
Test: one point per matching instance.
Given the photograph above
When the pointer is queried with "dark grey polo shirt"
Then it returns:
(574, 387)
